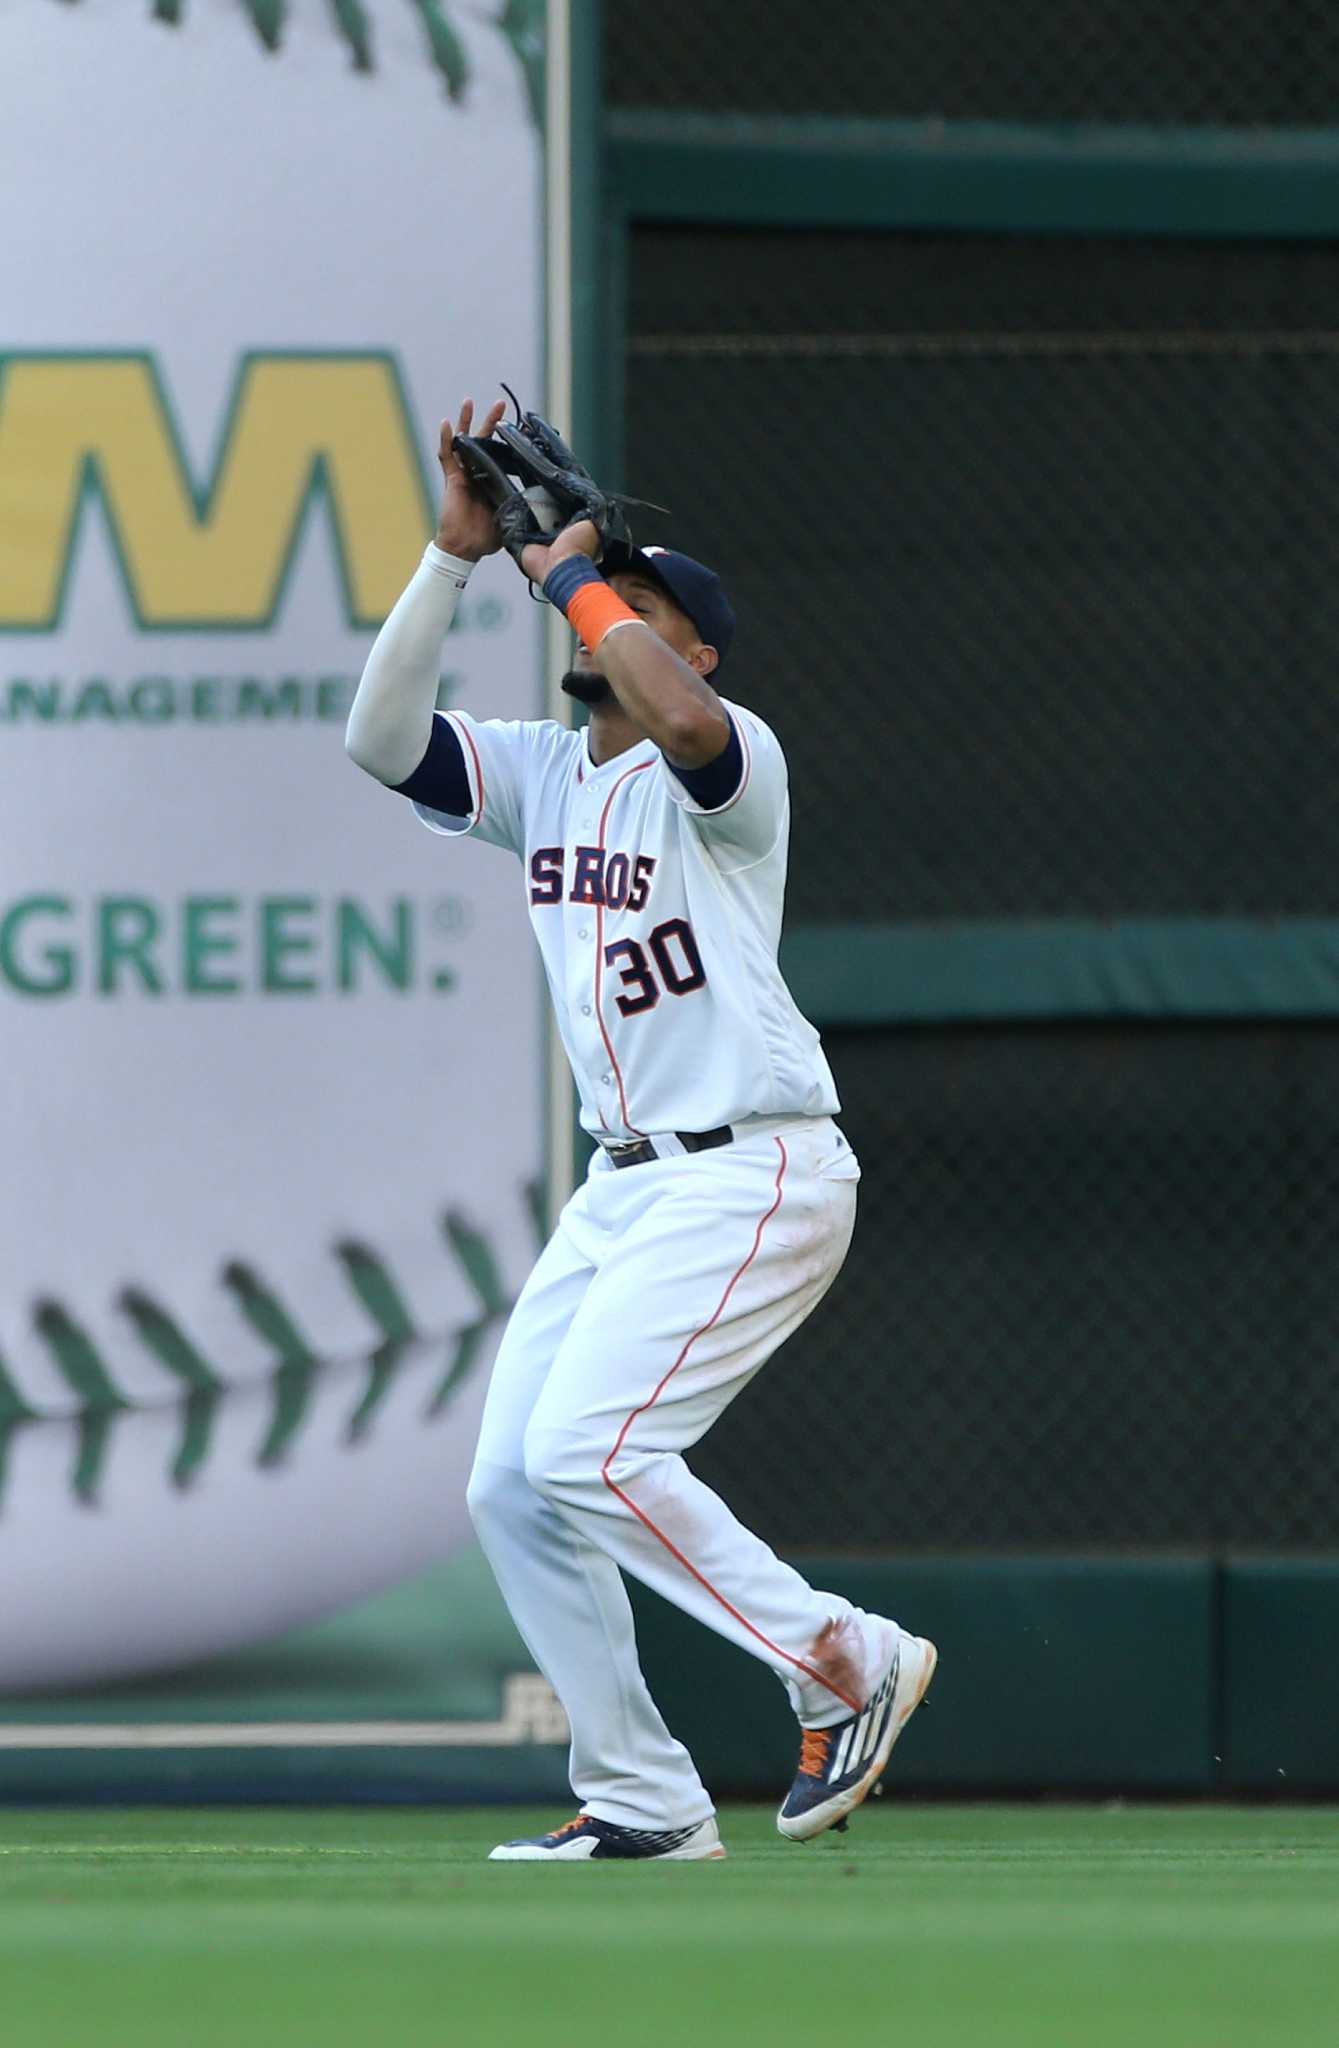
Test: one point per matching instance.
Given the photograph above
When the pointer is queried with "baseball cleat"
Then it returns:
(587, 1840)
(841, 1764)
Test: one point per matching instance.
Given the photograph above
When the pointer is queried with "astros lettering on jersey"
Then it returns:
(658, 923)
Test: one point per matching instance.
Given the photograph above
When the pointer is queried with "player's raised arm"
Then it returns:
(391, 729)
(663, 691)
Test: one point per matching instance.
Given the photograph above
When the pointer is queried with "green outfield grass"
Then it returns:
(934, 1926)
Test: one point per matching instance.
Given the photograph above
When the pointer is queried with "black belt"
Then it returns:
(639, 1150)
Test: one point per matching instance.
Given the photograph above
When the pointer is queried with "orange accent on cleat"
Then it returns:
(815, 1749)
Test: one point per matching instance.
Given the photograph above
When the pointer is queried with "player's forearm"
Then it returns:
(391, 719)
(654, 685)
(667, 698)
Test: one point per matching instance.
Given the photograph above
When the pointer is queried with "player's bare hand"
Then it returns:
(466, 526)
(581, 539)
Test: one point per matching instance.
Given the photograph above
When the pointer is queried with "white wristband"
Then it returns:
(448, 565)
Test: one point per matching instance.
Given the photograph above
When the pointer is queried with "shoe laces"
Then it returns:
(569, 1827)
(815, 1749)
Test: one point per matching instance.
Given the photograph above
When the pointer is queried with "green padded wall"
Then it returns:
(1281, 1675)
(1056, 1673)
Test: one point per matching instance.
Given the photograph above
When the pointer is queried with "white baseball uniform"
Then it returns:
(666, 1284)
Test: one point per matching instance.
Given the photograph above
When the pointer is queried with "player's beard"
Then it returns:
(587, 685)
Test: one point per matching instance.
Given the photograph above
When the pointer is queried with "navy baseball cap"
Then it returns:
(694, 588)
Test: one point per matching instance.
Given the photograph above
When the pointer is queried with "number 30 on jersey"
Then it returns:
(674, 951)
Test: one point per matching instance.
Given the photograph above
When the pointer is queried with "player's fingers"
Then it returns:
(446, 447)
(495, 413)
(582, 537)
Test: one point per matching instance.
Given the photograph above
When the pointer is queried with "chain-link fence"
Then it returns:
(1034, 547)
(1092, 1301)
(1243, 62)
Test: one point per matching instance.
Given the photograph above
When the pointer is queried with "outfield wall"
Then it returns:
(1050, 306)
(1085, 1677)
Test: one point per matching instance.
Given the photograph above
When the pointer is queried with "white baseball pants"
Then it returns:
(663, 1290)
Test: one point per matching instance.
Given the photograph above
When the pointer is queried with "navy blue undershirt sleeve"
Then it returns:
(440, 780)
(715, 782)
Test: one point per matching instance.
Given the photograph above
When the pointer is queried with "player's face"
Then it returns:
(657, 607)
(584, 681)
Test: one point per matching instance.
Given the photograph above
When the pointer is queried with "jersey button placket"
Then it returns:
(581, 973)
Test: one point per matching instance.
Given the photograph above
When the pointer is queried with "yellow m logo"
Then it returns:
(216, 554)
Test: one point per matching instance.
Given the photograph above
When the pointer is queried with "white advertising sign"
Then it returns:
(272, 1056)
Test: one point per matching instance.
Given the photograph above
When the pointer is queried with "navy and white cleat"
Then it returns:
(587, 1840)
(841, 1764)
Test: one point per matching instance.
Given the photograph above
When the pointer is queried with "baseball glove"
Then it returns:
(536, 486)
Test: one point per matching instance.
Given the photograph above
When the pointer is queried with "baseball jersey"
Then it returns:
(658, 921)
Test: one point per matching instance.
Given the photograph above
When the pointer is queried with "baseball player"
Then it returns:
(721, 1196)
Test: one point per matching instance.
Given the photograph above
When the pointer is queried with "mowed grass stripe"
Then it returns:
(1010, 1927)
(998, 1829)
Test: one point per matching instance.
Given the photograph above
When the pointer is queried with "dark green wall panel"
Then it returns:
(1024, 969)
(1281, 1675)
(1071, 1674)
(1000, 175)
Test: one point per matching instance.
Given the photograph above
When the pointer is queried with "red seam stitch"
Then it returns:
(645, 1519)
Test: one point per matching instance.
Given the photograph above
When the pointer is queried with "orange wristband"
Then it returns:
(595, 610)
